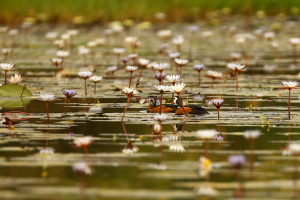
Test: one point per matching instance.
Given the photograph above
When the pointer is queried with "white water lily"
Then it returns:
(164, 34)
(181, 62)
(100, 41)
(15, 79)
(161, 88)
(240, 40)
(72, 32)
(174, 55)
(13, 32)
(236, 67)
(95, 79)
(290, 84)
(3, 29)
(118, 51)
(130, 91)
(56, 61)
(160, 66)
(83, 51)
(6, 66)
(6, 51)
(294, 41)
(62, 54)
(144, 62)
(47, 97)
(214, 74)
(91, 44)
(131, 68)
(235, 56)
(85, 74)
(173, 78)
(112, 68)
(206, 134)
(269, 35)
(178, 40)
(177, 88)
(207, 34)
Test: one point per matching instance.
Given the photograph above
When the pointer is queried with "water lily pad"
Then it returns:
(8, 103)
(13, 90)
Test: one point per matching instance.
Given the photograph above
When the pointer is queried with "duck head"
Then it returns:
(177, 101)
(151, 100)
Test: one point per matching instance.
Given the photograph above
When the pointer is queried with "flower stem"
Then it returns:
(212, 83)
(138, 81)
(47, 112)
(124, 128)
(95, 88)
(161, 95)
(161, 77)
(180, 69)
(130, 79)
(218, 113)
(199, 77)
(5, 76)
(85, 150)
(85, 86)
(129, 97)
(237, 80)
(206, 148)
(295, 55)
(289, 104)
(181, 103)
(68, 100)
(24, 87)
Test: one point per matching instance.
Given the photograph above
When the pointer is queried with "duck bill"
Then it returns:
(145, 101)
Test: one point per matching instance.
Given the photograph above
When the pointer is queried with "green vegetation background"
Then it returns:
(93, 11)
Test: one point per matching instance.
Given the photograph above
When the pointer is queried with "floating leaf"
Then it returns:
(8, 103)
(13, 90)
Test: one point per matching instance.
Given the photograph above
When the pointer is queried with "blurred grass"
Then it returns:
(14, 11)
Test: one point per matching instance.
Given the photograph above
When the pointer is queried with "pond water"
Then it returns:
(155, 171)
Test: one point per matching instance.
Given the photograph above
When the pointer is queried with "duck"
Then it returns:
(190, 109)
(152, 108)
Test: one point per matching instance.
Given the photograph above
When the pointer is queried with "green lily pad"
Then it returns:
(13, 90)
(8, 103)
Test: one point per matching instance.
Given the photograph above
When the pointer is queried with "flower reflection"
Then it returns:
(47, 151)
(205, 166)
(207, 191)
(82, 168)
(160, 166)
(177, 147)
(130, 149)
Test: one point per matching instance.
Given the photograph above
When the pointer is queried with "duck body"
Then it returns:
(189, 109)
(152, 108)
